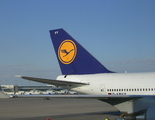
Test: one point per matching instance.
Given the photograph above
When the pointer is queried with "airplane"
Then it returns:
(3, 95)
(133, 94)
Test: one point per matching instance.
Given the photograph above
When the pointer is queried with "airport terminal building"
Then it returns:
(21, 90)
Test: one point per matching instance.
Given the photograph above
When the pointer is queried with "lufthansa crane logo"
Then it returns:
(67, 51)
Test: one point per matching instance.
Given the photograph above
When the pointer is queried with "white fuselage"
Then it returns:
(117, 84)
(114, 83)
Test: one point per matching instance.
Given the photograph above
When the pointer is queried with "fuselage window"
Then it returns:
(137, 89)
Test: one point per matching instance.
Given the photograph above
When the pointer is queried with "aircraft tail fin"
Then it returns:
(72, 57)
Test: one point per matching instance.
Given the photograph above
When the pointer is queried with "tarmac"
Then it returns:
(55, 109)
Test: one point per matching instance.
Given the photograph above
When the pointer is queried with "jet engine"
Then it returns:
(149, 114)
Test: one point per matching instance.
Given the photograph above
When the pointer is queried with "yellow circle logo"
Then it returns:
(67, 51)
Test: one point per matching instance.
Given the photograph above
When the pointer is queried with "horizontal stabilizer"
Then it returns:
(53, 82)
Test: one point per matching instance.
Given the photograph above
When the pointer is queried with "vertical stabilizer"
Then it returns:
(72, 57)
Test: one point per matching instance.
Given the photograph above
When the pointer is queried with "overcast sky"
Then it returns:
(120, 34)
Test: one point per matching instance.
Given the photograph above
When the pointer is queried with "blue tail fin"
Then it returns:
(72, 57)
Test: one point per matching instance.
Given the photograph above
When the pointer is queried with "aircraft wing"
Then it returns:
(106, 97)
(53, 82)
(111, 99)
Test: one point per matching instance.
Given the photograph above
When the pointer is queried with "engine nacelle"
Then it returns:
(148, 115)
